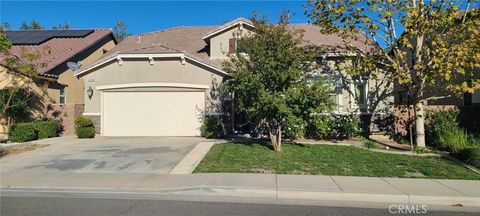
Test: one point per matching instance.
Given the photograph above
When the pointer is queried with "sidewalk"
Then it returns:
(258, 188)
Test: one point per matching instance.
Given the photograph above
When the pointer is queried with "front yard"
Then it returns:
(326, 160)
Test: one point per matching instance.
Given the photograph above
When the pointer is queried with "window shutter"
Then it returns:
(231, 46)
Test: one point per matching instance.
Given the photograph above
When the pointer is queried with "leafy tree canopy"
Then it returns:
(439, 44)
(62, 26)
(33, 25)
(269, 80)
(120, 30)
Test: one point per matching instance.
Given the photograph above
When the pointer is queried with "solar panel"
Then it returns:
(35, 37)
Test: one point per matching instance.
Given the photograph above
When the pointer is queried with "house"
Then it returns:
(163, 83)
(59, 93)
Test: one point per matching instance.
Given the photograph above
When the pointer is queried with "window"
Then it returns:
(402, 98)
(360, 95)
(234, 47)
(63, 96)
(359, 91)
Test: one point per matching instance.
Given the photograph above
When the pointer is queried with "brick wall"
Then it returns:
(402, 115)
(66, 113)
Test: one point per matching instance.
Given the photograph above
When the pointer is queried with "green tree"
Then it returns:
(33, 25)
(62, 26)
(438, 46)
(4, 26)
(120, 30)
(284, 18)
(269, 79)
(18, 74)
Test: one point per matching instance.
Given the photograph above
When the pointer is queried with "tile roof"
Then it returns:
(189, 40)
(56, 51)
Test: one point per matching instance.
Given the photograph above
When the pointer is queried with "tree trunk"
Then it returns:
(419, 124)
(276, 139)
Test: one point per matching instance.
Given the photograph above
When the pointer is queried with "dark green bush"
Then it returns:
(85, 132)
(22, 132)
(213, 127)
(47, 128)
(437, 125)
(471, 155)
(17, 100)
(84, 127)
(318, 128)
(82, 121)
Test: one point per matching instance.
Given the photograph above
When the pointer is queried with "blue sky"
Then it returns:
(142, 16)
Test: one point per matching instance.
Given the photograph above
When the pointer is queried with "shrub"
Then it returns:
(439, 123)
(47, 128)
(295, 127)
(471, 155)
(23, 132)
(318, 128)
(345, 127)
(85, 132)
(82, 121)
(213, 127)
(17, 100)
(453, 139)
(84, 127)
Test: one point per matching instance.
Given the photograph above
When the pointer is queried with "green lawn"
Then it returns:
(326, 160)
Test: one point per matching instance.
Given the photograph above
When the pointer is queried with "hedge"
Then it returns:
(84, 127)
(22, 132)
(85, 132)
(82, 121)
(47, 129)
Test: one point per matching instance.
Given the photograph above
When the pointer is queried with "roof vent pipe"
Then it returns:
(139, 38)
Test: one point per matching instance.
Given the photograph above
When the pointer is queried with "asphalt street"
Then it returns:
(51, 206)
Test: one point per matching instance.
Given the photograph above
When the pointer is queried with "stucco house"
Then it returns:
(163, 83)
(59, 93)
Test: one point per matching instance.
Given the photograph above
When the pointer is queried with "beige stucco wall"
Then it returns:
(140, 71)
(42, 95)
(345, 101)
(75, 86)
(219, 44)
(50, 95)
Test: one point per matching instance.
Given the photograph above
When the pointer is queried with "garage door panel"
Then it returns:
(152, 113)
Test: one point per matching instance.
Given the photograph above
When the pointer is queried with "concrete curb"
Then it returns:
(50, 141)
(255, 195)
(6, 147)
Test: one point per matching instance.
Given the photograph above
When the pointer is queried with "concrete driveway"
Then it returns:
(152, 155)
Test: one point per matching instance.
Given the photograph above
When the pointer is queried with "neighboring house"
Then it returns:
(438, 98)
(163, 83)
(60, 93)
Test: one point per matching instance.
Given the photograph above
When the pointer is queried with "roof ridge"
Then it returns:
(172, 28)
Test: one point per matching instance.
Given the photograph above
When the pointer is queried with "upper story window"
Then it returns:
(63, 95)
(233, 46)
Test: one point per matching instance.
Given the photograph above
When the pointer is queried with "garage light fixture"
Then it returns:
(89, 92)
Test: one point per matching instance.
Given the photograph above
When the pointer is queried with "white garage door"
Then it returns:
(152, 113)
